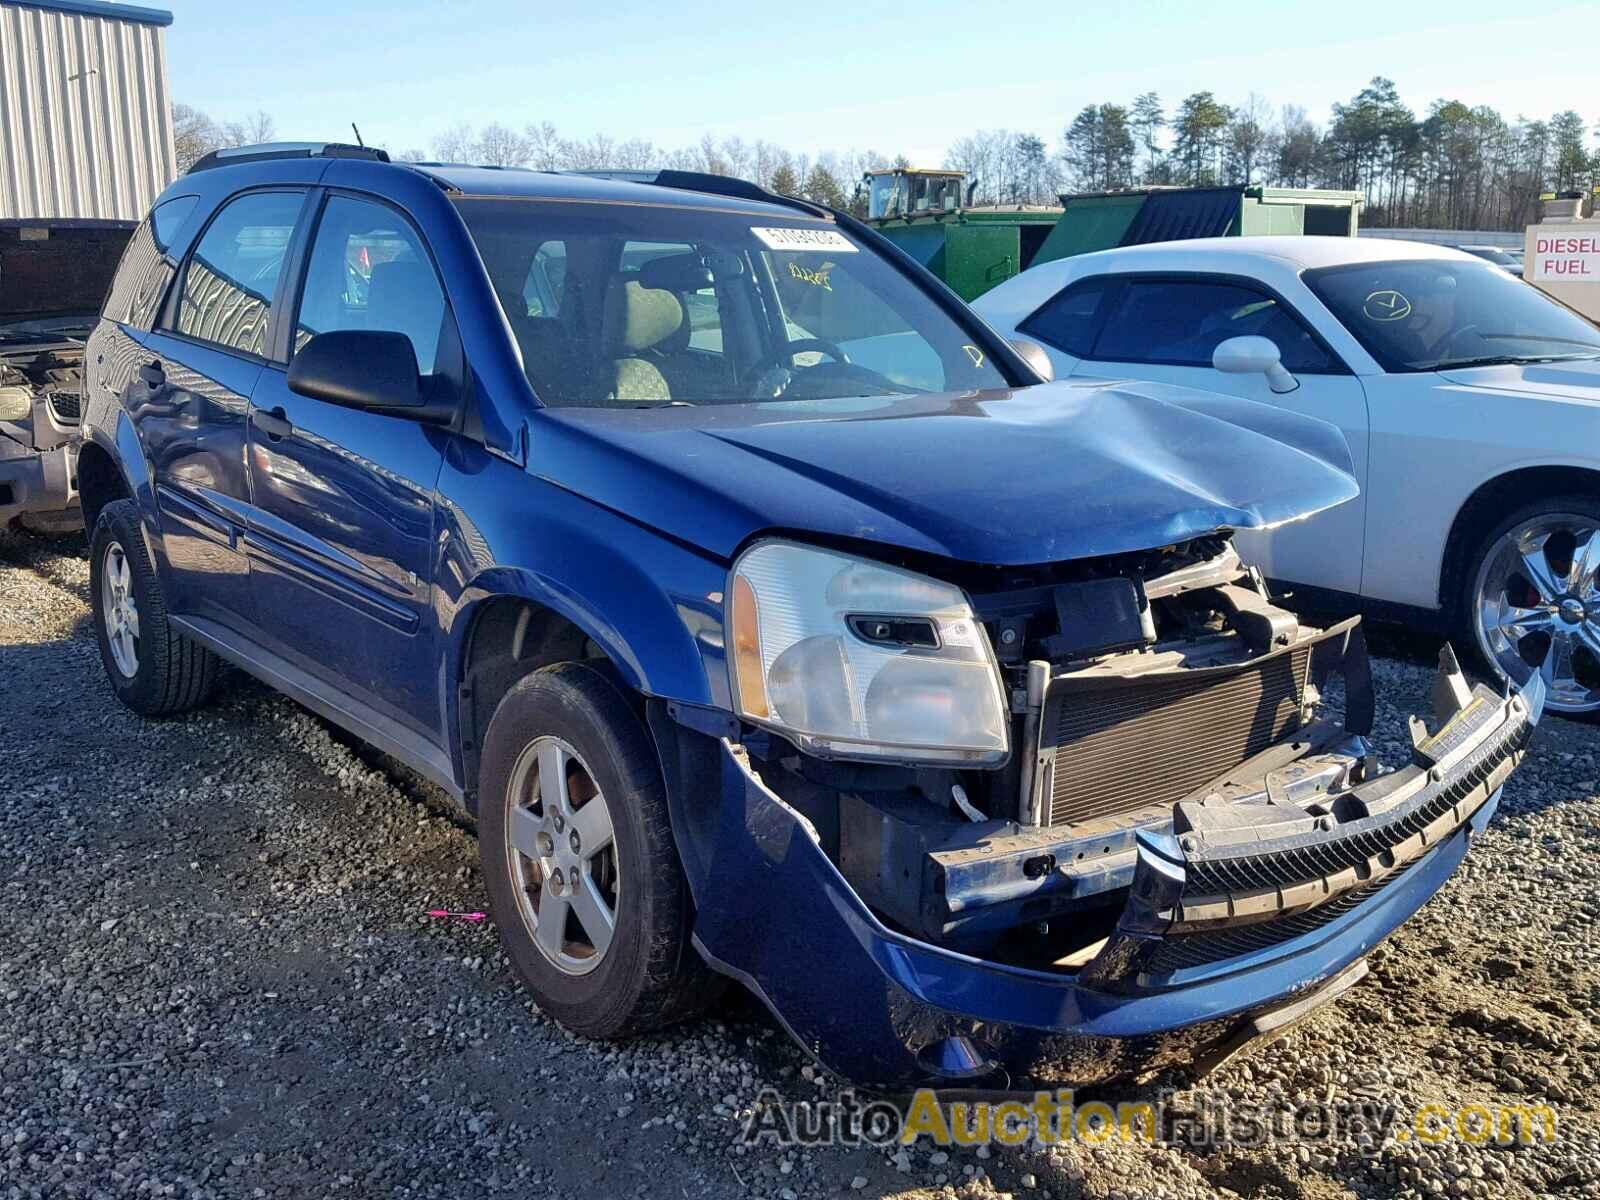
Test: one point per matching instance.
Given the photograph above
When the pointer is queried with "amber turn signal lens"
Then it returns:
(747, 652)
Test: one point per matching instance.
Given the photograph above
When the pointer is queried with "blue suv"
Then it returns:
(774, 618)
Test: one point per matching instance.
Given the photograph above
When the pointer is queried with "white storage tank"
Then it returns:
(85, 109)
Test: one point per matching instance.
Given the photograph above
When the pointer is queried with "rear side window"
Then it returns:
(1069, 319)
(147, 265)
(369, 271)
(1181, 322)
(232, 277)
(547, 275)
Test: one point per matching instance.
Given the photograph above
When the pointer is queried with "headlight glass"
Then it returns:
(15, 403)
(858, 659)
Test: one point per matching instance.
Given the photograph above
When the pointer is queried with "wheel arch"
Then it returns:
(1488, 503)
(100, 481)
(505, 635)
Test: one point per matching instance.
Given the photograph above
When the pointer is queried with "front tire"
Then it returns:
(579, 861)
(1530, 599)
(153, 669)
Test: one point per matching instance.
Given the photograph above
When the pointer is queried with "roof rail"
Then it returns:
(702, 181)
(267, 151)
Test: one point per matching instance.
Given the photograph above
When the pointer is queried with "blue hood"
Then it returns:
(1059, 471)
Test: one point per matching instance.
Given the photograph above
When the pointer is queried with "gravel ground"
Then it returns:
(217, 979)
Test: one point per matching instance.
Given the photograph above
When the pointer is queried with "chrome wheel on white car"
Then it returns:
(1536, 606)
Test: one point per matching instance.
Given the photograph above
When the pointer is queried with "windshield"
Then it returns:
(644, 305)
(1489, 254)
(1431, 314)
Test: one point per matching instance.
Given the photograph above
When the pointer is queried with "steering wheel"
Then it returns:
(783, 356)
(1449, 342)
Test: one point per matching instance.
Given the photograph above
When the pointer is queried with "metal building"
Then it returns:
(85, 110)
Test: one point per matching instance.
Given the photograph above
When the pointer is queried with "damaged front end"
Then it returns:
(1184, 842)
(54, 276)
(41, 406)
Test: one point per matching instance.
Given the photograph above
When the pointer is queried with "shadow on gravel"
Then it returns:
(43, 555)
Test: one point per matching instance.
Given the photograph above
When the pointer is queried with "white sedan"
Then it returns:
(1471, 402)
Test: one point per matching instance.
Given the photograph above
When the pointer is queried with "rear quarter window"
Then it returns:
(232, 277)
(1069, 319)
(148, 264)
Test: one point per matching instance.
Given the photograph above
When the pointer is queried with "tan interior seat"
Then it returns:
(637, 319)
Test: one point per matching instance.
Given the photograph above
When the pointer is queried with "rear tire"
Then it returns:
(620, 962)
(153, 669)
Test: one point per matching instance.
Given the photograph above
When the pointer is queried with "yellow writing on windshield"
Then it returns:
(814, 278)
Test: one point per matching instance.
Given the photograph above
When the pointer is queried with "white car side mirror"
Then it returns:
(1254, 355)
(1035, 356)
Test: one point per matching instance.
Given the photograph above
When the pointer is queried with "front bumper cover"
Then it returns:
(36, 481)
(1294, 907)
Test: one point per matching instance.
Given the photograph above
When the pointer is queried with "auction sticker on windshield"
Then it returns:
(805, 239)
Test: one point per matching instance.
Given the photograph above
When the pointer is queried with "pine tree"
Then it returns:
(784, 182)
(822, 188)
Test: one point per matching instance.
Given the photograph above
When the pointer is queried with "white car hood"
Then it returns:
(1578, 380)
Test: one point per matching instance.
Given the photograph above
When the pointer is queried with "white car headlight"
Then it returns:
(856, 659)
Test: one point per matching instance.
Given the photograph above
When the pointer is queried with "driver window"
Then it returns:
(1182, 322)
(369, 271)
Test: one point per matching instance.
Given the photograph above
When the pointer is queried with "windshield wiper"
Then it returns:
(1537, 337)
(1507, 360)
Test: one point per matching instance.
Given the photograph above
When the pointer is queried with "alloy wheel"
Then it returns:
(119, 610)
(1536, 607)
(562, 856)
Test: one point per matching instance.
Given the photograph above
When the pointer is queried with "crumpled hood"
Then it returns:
(1058, 471)
(1576, 380)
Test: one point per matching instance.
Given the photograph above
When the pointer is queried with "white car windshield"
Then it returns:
(645, 305)
(1434, 314)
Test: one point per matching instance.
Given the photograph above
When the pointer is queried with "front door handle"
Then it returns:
(273, 422)
(153, 375)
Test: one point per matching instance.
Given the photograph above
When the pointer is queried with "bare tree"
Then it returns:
(636, 154)
(194, 135)
(596, 154)
(766, 159)
(545, 146)
(253, 130)
(456, 144)
(499, 146)
(737, 158)
(1248, 140)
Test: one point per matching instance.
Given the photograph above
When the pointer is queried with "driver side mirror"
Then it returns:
(1254, 355)
(366, 369)
(1035, 356)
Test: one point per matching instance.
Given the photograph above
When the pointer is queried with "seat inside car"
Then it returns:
(638, 323)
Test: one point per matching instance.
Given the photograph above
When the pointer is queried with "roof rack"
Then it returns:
(701, 181)
(267, 151)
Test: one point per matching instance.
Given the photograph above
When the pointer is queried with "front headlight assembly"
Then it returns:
(851, 658)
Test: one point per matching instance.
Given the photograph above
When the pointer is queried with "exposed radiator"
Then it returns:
(1112, 745)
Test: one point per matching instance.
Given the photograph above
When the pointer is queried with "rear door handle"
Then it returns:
(273, 422)
(153, 375)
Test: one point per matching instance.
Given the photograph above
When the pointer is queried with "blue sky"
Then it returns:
(870, 75)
